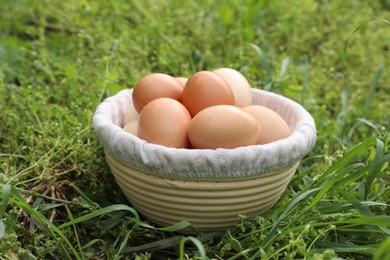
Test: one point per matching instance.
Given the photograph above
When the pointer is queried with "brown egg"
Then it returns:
(239, 84)
(223, 126)
(130, 115)
(155, 85)
(273, 126)
(131, 127)
(204, 89)
(164, 121)
(182, 80)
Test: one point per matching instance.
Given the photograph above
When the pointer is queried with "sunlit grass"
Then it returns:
(59, 60)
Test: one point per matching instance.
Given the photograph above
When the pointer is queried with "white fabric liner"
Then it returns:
(220, 163)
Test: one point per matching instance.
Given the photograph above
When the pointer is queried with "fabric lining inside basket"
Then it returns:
(206, 163)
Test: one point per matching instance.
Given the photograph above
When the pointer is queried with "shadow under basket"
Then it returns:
(209, 205)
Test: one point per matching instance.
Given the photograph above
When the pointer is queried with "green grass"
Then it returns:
(60, 59)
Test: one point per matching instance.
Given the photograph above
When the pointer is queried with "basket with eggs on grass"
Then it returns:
(206, 149)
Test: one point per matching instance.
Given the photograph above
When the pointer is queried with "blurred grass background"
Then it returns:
(60, 59)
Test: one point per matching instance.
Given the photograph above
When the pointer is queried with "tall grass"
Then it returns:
(337, 210)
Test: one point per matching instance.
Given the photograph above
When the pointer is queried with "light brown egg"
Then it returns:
(223, 126)
(131, 127)
(130, 115)
(155, 85)
(182, 80)
(164, 121)
(204, 89)
(239, 84)
(273, 126)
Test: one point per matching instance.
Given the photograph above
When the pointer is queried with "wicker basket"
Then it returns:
(210, 204)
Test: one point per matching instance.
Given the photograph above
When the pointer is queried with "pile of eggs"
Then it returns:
(208, 110)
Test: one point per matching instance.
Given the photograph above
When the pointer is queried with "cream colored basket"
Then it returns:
(209, 188)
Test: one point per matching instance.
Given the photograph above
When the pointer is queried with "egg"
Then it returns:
(182, 80)
(131, 127)
(130, 115)
(273, 126)
(241, 89)
(164, 121)
(204, 89)
(223, 126)
(155, 85)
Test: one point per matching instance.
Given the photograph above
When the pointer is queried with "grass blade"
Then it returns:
(3, 226)
(357, 204)
(334, 208)
(100, 212)
(6, 193)
(383, 250)
(175, 227)
(325, 183)
(75, 233)
(376, 165)
(373, 87)
(360, 121)
(336, 181)
(381, 220)
(160, 244)
(362, 209)
(136, 219)
(347, 157)
(265, 63)
(93, 242)
(348, 248)
(290, 206)
(122, 246)
(358, 28)
(45, 224)
(284, 66)
(198, 245)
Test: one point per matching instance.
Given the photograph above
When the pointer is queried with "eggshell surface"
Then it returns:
(155, 85)
(273, 126)
(164, 121)
(223, 126)
(182, 80)
(131, 127)
(204, 89)
(239, 84)
(130, 115)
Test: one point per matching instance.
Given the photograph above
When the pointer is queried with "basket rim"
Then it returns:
(111, 159)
